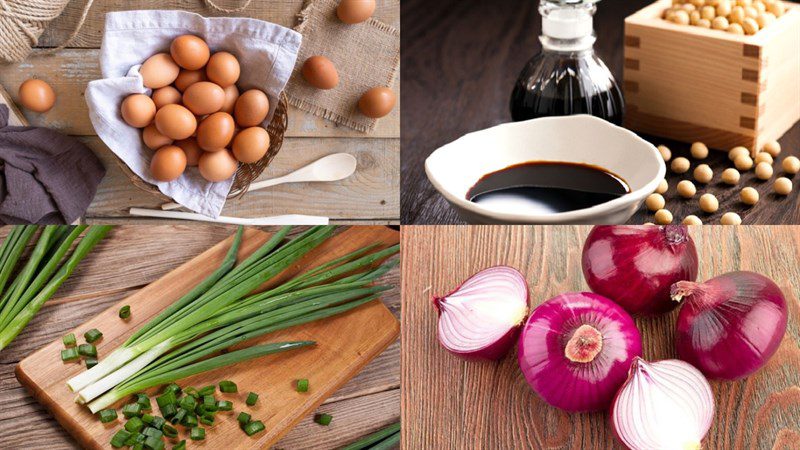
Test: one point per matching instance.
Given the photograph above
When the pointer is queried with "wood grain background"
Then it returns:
(450, 403)
(460, 61)
(371, 195)
(129, 259)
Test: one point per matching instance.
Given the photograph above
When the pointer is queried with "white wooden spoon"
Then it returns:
(329, 168)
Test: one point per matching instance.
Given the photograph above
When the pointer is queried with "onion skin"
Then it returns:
(559, 380)
(731, 325)
(449, 329)
(636, 265)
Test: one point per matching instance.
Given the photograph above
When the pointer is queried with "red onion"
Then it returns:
(575, 350)
(730, 325)
(481, 318)
(636, 265)
(663, 405)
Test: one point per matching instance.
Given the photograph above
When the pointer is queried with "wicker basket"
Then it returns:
(247, 173)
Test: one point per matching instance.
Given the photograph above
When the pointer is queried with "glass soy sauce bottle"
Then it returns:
(567, 77)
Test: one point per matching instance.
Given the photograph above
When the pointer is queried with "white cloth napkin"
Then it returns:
(266, 52)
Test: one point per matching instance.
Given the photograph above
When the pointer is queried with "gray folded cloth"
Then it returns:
(45, 177)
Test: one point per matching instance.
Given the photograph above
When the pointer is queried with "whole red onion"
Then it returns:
(730, 325)
(636, 265)
(576, 349)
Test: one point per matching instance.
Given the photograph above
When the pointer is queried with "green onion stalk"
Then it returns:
(221, 312)
(47, 268)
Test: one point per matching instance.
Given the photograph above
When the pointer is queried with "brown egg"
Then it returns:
(320, 72)
(251, 144)
(153, 139)
(192, 150)
(231, 95)
(175, 122)
(138, 110)
(215, 132)
(355, 11)
(36, 95)
(159, 70)
(251, 108)
(190, 52)
(203, 98)
(168, 163)
(166, 95)
(187, 78)
(217, 166)
(223, 69)
(377, 102)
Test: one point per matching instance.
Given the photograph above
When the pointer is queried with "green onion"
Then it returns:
(388, 443)
(209, 403)
(167, 398)
(191, 392)
(243, 419)
(69, 340)
(302, 385)
(70, 354)
(87, 350)
(252, 398)
(125, 312)
(323, 419)
(170, 431)
(153, 432)
(178, 417)
(207, 419)
(197, 434)
(133, 438)
(154, 443)
(208, 390)
(148, 418)
(228, 387)
(254, 427)
(180, 445)
(174, 388)
(93, 335)
(132, 410)
(169, 410)
(188, 403)
(119, 438)
(374, 438)
(90, 362)
(107, 415)
(144, 400)
(134, 424)
(224, 405)
(189, 421)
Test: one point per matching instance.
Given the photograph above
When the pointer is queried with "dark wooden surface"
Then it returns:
(460, 60)
(129, 259)
(449, 403)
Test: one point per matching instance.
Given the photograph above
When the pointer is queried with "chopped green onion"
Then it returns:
(125, 312)
(228, 387)
(70, 354)
(209, 403)
(224, 405)
(90, 362)
(154, 443)
(134, 438)
(243, 419)
(167, 398)
(138, 446)
(178, 416)
(323, 419)
(208, 390)
(197, 434)
(87, 350)
(107, 415)
(132, 410)
(148, 418)
(92, 335)
(254, 427)
(69, 340)
(170, 431)
(189, 421)
(119, 438)
(252, 398)
(158, 423)
(144, 400)
(180, 445)
(134, 424)
(208, 419)
(191, 391)
(302, 385)
(188, 403)
(168, 410)
(153, 432)
(174, 388)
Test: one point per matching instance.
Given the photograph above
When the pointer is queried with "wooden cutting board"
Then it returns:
(345, 344)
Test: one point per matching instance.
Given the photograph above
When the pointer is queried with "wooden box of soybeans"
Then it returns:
(690, 83)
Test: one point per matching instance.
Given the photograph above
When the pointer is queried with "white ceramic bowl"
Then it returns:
(456, 167)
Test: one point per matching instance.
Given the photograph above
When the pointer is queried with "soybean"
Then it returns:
(665, 152)
(782, 186)
(772, 147)
(730, 176)
(699, 150)
(743, 163)
(763, 171)
(654, 202)
(749, 196)
(730, 218)
(709, 203)
(686, 189)
(680, 165)
(703, 173)
(791, 165)
(737, 152)
(663, 186)
(692, 220)
(663, 217)
(764, 157)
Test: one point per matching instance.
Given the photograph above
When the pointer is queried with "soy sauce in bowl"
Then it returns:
(547, 187)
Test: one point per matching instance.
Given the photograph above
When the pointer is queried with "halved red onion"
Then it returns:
(731, 325)
(575, 350)
(480, 319)
(663, 405)
(636, 265)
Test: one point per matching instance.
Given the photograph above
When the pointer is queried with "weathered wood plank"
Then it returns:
(495, 404)
(371, 193)
(71, 70)
(282, 12)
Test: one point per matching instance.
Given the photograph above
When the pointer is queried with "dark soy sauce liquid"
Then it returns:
(547, 187)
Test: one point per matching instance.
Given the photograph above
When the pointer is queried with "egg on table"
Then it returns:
(217, 166)
(168, 163)
(377, 102)
(36, 95)
(320, 72)
(251, 144)
(355, 11)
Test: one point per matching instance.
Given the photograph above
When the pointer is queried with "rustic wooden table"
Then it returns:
(450, 403)
(371, 195)
(460, 61)
(129, 259)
